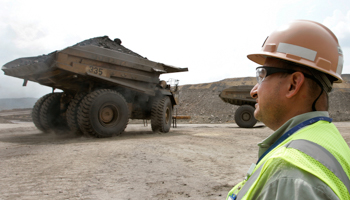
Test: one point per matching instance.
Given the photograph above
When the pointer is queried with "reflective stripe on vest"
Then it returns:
(323, 156)
(315, 151)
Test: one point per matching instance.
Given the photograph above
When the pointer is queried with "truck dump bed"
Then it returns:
(98, 61)
(238, 95)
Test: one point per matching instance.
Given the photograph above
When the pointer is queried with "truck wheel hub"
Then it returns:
(246, 116)
(108, 114)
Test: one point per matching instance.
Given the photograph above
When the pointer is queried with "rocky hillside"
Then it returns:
(202, 102)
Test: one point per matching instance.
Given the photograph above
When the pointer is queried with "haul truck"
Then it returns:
(240, 96)
(103, 85)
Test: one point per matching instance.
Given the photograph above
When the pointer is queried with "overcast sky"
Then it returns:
(211, 38)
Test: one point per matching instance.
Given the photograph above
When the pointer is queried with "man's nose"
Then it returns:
(254, 91)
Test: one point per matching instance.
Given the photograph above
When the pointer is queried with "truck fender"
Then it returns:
(174, 97)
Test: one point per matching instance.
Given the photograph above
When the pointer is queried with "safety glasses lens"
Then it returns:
(260, 74)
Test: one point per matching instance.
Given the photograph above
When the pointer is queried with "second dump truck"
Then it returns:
(104, 85)
(240, 96)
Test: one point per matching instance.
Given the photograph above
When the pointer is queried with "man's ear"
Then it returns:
(295, 82)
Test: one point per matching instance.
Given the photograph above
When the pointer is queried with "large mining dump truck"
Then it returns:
(240, 96)
(104, 85)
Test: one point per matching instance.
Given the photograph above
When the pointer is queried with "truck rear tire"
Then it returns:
(36, 112)
(72, 113)
(103, 113)
(244, 116)
(50, 114)
(161, 115)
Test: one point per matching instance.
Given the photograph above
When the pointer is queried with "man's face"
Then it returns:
(270, 106)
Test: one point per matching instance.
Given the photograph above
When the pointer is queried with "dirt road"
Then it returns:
(193, 161)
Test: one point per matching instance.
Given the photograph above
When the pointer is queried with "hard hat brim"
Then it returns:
(260, 58)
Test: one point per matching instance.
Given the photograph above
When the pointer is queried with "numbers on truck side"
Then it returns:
(96, 70)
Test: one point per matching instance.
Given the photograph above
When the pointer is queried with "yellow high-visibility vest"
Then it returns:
(318, 149)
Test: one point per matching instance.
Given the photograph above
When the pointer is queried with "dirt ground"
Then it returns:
(192, 161)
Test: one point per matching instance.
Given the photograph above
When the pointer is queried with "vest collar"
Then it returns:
(265, 144)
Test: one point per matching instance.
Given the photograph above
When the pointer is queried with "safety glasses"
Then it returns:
(262, 72)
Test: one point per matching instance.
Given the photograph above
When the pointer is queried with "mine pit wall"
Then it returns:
(202, 102)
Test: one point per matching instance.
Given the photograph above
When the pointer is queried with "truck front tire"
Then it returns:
(244, 116)
(161, 115)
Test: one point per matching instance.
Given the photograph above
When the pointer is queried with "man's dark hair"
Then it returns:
(314, 87)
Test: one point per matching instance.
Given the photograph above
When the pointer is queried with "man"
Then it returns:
(306, 157)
